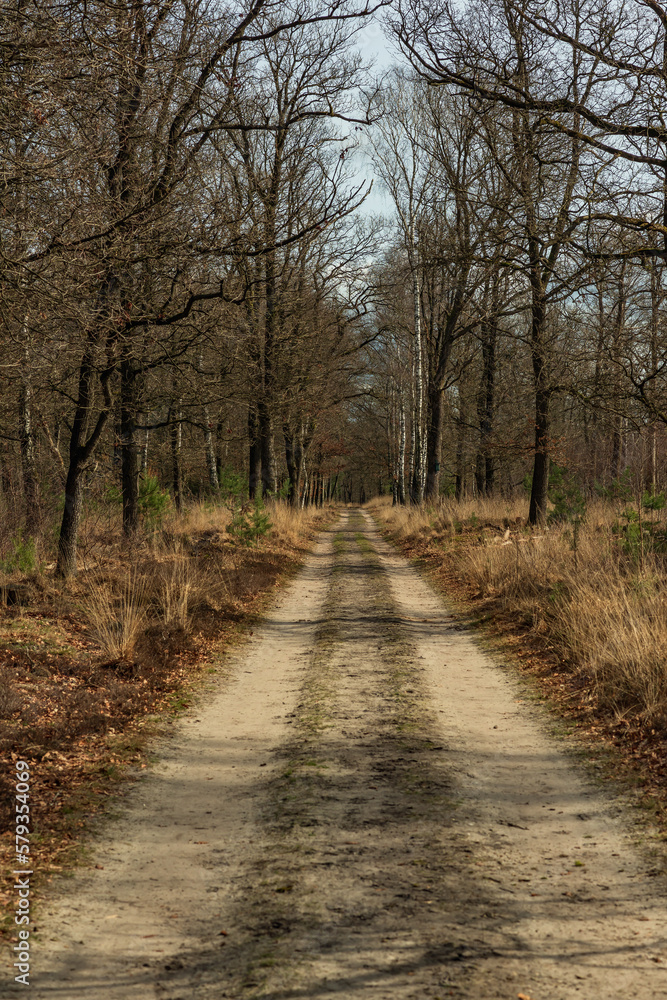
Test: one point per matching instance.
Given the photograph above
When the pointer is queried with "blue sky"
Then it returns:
(375, 47)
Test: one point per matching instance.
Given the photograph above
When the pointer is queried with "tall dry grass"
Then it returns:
(115, 612)
(91, 659)
(193, 568)
(186, 577)
(603, 610)
(444, 519)
(291, 525)
(178, 583)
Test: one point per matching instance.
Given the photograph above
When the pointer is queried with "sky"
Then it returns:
(376, 48)
(374, 44)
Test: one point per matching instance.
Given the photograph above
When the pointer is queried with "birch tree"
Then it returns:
(544, 165)
(406, 171)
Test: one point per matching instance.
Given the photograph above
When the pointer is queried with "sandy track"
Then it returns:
(572, 908)
(368, 808)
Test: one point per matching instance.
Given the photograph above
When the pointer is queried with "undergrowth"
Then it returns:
(90, 667)
(595, 599)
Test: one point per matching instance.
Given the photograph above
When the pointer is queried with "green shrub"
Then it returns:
(249, 523)
(620, 489)
(638, 535)
(565, 494)
(153, 501)
(22, 557)
(232, 483)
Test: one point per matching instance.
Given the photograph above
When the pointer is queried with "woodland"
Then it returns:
(247, 275)
(196, 301)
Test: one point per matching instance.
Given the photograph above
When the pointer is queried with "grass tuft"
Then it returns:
(115, 617)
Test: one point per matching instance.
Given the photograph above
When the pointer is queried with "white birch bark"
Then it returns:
(210, 453)
(406, 170)
(401, 447)
(209, 450)
(419, 472)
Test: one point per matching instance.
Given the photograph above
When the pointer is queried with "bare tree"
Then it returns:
(544, 165)
(290, 180)
(120, 103)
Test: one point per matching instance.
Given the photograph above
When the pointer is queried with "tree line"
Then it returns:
(522, 146)
(190, 284)
(179, 250)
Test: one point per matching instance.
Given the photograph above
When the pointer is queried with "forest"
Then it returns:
(196, 300)
(281, 280)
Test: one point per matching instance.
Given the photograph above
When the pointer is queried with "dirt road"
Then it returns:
(366, 808)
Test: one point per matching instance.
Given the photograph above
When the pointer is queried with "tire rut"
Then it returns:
(353, 888)
(375, 813)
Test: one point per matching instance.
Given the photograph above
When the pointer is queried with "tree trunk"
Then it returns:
(417, 458)
(539, 494)
(27, 441)
(209, 450)
(485, 465)
(293, 471)
(69, 529)
(436, 416)
(254, 455)
(402, 442)
(221, 450)
(617, 448)
(176, 440)
(80, 451)
(657, 296)
(144, 453)
(266, 447)
(129, 447)
(265, 403)
(417, 479)
(460, 487)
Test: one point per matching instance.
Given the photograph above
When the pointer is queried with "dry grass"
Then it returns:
(86, 668)
(606, 616)
(289, 524)
(197, 520)
(603, 611)
(178, 587)
(187, 577)
(444, 520)
(115, 612)
(189, 570)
